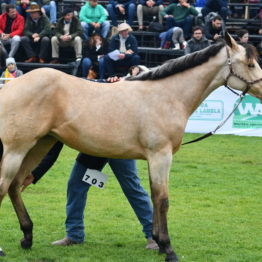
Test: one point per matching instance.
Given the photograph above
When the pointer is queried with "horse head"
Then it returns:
(243, 71)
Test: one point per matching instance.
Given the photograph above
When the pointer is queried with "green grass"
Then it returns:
(215, 210)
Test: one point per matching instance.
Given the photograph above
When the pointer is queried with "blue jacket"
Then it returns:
(143, 2)
(130, 43)
(215, 5)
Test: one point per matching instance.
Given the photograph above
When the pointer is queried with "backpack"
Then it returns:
(156, 27)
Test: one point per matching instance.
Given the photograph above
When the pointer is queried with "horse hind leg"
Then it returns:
(159, 166)
(34, 156)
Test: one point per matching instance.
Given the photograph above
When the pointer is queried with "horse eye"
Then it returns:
(251, 65)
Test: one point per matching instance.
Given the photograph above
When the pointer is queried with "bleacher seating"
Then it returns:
(149, 42)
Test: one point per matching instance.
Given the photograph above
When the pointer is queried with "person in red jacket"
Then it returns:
(11, 28)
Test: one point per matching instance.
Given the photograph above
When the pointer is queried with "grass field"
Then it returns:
(215, 210)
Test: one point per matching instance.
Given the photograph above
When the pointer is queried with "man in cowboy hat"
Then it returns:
(125, 46)
(37, 34)
(68, 32)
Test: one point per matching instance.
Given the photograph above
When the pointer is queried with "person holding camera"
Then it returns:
(214, 29)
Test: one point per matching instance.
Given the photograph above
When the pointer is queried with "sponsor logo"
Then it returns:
(210, 110)
(248, 114)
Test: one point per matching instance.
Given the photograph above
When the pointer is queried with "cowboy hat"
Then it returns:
(124, 26)
(34, 7)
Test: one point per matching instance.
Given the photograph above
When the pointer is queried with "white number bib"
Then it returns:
(95, 178)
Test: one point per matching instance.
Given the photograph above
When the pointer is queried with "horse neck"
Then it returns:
(191, 87)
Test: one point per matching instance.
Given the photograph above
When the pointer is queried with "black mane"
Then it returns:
(180, 64)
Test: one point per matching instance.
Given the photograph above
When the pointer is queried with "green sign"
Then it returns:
(248, 114)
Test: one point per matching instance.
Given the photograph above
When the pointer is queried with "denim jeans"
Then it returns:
(130, 9)
(126, 174)
(87, 63)
(51, 11)
(88, 29)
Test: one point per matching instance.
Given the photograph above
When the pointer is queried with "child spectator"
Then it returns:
(93, 52)
(173, 38)
(11, 70)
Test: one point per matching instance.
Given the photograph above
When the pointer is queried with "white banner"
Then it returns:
(246, 120)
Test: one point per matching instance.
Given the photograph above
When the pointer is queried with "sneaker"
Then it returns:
(177, 46)
(65, 242)
(151, 244)
(184, 45)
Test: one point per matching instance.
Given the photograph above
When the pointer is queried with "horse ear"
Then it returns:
(230, 41)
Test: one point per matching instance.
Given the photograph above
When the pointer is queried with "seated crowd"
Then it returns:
(99, 42)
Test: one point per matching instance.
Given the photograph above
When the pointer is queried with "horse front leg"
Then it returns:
(159, 167)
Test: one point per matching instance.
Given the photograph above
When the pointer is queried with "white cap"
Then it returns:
(10, 60)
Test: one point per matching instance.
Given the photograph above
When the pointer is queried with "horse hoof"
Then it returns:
(2, 254)
(25, 244)
(171, 257)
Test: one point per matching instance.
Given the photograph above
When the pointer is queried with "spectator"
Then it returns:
(149, 8)
(22, 6)
(214, 29)
(218, 6)
(93, 18)
(36, 39)
(180, 15)
(173, 38)
(4, 3)
(197, 42)
(11, 70)
(49, 7)
(124, 46)
(68, 32)
(243, 36)
(3, 56)
(11, 28)
(93, 52)
(121, 8)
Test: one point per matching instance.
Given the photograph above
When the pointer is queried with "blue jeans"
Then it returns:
(130, 9)
(126, 174)
(87, 63)
(51, 11)
(88, 29)
(129, 60)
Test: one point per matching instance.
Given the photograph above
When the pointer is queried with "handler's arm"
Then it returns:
(44, 165)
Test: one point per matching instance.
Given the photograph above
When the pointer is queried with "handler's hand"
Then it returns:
(28, 181)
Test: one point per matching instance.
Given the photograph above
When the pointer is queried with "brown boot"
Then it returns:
(31, 60)
(65, 242)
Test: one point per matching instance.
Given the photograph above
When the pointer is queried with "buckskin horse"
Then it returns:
(141, 117)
